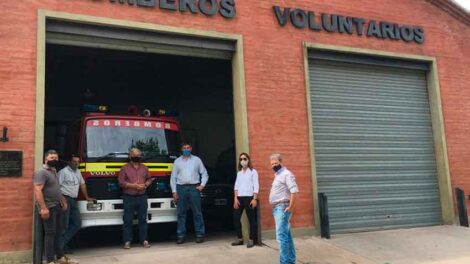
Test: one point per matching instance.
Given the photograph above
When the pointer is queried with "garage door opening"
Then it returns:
(195, 91)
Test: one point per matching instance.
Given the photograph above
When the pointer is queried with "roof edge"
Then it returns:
(453, 9)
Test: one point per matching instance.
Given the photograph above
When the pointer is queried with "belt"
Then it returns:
(70, 197)
(191, 184)
(281, 202)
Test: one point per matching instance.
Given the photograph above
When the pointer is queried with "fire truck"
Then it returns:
(103, 142)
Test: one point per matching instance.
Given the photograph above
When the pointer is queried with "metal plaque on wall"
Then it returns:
(11, 163)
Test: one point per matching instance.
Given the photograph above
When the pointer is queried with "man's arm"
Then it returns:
(291, 203)
(293, 188)
(148, 180)
(174, 173)
(84, 189)
(43, 211)
(204, 175)
(123, 181)
(63, 203)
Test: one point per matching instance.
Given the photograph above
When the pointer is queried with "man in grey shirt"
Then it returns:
(188, 179)
(71, 181)
(51, 203)
(282, 197)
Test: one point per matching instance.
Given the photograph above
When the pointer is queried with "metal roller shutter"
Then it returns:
(119, 38)
(373, 143)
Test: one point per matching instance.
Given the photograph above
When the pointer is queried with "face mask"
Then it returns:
(277, 168)
(186, 152)
(135, 159)
(53, 163)
(244, 163)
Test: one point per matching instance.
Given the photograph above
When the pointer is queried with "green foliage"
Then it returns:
(149, 147)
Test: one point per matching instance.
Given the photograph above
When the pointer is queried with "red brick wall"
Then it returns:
(277, 112)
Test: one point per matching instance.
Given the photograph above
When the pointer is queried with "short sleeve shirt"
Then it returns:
(51, 188)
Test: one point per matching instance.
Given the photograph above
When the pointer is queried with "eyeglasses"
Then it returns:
(243, 159)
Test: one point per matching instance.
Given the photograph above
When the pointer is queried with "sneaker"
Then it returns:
(250, 244)
(127, 245)
(180, 240)
(66, 260)
(239, 242)
(146, 244)
(199, 239)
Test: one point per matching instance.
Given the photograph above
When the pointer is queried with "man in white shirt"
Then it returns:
(282, 197)
(71, 181)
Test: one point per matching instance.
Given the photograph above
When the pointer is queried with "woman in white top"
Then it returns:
(245, 198)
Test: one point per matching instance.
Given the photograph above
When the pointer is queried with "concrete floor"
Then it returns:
(431, 245)
(428, 245)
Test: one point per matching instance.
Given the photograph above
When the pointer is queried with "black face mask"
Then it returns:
(53, 163)
(135, 159)
(277, 168)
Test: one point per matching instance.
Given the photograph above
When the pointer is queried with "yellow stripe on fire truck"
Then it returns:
(116, 166)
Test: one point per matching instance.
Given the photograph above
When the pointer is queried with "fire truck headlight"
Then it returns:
(94, 206)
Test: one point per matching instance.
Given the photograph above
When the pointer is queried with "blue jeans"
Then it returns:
(283, 234)
(189, 196)
(72, 222)
(134, 204)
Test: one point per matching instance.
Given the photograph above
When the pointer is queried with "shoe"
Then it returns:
(66, 260)
(239, 242)
(127, 245)
(146, 244)
(250, 244)
(199, 239)
(180, 240)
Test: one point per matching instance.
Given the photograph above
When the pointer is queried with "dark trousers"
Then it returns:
(134, 205)
(252, 218)
(71, 220)
(53, 233)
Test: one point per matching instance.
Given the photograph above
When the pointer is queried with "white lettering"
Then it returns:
(147, 124)
(96, 123)
(107, 123)
(102, 173)
(128, 123)
(158, 125)
(117, 123)
(167, 126)
(136, 124)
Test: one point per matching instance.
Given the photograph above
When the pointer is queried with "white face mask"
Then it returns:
(244, 163)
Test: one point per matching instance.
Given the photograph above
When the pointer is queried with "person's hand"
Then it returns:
(175, 196)
(236, 204)
(289, 209)
(200, 188)
(140, 187)
(90, 199)
(253, 203)
(44, 213)
(63, 204)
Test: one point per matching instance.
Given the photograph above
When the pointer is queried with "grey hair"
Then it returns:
(276, 156)
(132, 150)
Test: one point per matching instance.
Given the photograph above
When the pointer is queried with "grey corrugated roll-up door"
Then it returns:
(120, 38)
(373, 142)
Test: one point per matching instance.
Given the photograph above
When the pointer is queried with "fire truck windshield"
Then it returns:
(113, 143)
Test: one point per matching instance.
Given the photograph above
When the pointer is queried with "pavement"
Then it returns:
(429, 245)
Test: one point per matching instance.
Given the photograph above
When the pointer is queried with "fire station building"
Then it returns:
(368, 102)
